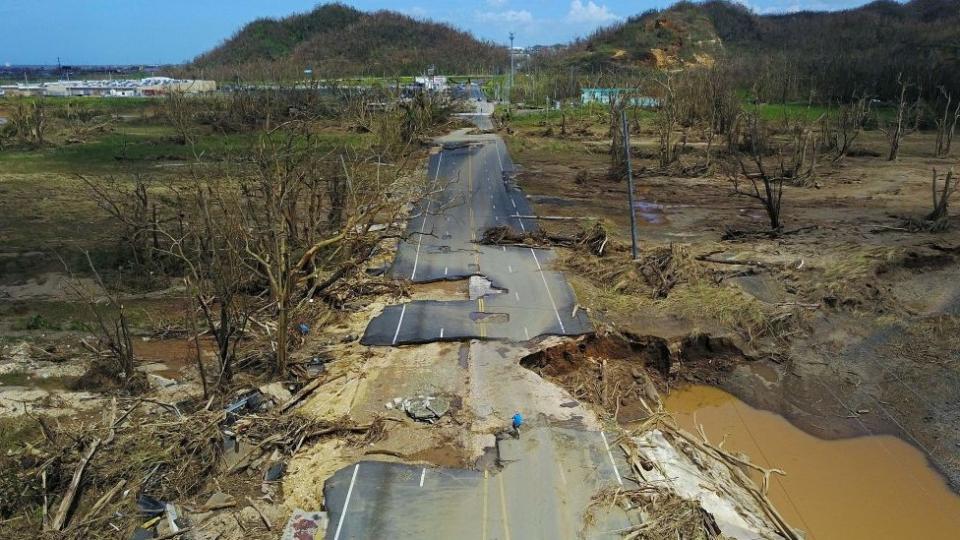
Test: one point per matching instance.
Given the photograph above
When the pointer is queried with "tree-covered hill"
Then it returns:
(337, 40)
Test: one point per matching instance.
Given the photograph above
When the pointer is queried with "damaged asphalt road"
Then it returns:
(474, 192)
(529, 498)
(539, 485)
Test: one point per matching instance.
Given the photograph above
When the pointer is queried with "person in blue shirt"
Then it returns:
(517, 422)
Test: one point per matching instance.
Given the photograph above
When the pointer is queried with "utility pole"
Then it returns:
(626, 153)
(510, 80)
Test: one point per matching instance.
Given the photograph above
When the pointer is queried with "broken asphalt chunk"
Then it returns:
(305, 526)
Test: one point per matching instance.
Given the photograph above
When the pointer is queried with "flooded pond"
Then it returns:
(174, 355)
(852, 489)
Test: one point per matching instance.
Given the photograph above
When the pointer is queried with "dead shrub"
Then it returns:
(655, 273)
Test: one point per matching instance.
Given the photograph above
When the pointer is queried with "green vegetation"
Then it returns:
(336, 40)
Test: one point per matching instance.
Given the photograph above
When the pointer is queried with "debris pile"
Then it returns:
(428, 409)
(594, 239)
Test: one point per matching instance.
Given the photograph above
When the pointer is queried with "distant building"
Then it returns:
(606, 95)
(433, 83)
(16, 90)
(152, 86)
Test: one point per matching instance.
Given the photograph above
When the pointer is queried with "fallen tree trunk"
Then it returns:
(62, 517)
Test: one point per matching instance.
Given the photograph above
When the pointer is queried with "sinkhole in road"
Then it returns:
(616, 371)
(495, 318)
(858, 488)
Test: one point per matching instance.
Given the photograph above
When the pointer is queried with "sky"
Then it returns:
(173, 31)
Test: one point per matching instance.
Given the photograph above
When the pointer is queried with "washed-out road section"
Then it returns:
(545, 480)
(474, 191)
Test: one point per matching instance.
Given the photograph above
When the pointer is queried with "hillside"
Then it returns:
(337, 40)
(839, 53)
(670, 38)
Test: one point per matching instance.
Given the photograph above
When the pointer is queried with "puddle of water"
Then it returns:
(175, 354)
(650, 212)
(852, 489)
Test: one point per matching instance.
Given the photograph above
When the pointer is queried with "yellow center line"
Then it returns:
(484, 521)
(503, 509)
(481, 309)
(473, 228)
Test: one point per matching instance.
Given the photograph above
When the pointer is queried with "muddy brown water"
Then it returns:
(176, 354)
(875, 487)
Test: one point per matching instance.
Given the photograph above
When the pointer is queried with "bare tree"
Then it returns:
(947, 125)
(179, 111)
(618, 158)
(847, 125)
(668, 119)
(134, 209)
(307, 218)
(214, 274)
(766, 185)
(901, 125)
(28, 122)
(114, 347)
(940, 216)
(805, 149)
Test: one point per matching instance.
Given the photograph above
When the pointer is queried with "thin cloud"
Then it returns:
(590, 13)
(510, 16)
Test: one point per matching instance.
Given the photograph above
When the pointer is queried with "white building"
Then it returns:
(435, 83)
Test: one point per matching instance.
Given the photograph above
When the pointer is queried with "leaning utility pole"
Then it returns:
(510, 79)
(626, 153)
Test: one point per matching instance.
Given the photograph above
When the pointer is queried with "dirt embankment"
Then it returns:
(625, 374)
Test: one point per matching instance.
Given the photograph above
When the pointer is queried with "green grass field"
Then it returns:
(138, 147)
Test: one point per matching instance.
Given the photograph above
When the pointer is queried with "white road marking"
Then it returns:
(517, 215)
(445, 270)
(346, 502)
(513, 202)
(416, 259)
(509, 268)
(504, 248)
(610, 455)
(403, 310)
(549, 294)
(441, 333)
(483, 522)
(423, 225)
(497, 146)
(517, 294)
(526, 333)
(422, 474)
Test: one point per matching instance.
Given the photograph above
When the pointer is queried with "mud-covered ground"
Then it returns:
(847, 321)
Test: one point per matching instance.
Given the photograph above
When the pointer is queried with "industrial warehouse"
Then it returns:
(151, 86)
